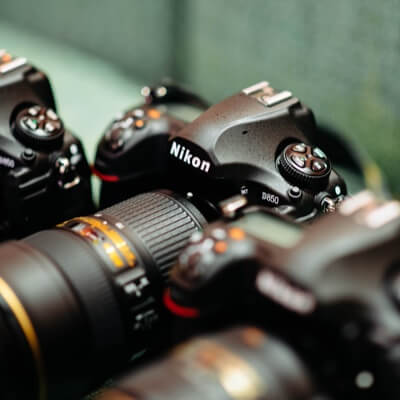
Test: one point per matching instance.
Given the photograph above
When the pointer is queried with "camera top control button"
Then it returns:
(28, 155)
(220, 247)
(116, 139)
(52, 115)
(317, 152)
(219, 234)
(295, 193)
(139, 124)
(39, 127)
(138, 113)
(152, 113)
(8, 63)
(123, 127)
(34, 111)
(304, 165)
(318, 166)
(49, 127)
(30, 123)
(196, 237)
(299, 161)
(236, 233)
(300, 148)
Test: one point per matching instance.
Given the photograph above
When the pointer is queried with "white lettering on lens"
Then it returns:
(182, 153)
(281, 291)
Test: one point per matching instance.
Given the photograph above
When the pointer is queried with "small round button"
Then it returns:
(139, 124)
(138, 113)
(294, 192)
(236, 233)
(116, 138)
(39, 127)
(34, 111)
(300, 148)
(123, 127)
(304, 165)
(218, 233)
(317, 152)
(318, 166)
(28, 155)
(153, 113)
(220, 247)
(299, 161)
(196, 237)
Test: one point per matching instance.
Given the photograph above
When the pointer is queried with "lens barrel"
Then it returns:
(78, 300)
(239, 364)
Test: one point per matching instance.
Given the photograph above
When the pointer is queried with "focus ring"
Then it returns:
(90, 284)
(162, 221)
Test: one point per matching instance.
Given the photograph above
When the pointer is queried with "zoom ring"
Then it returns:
(163, 222)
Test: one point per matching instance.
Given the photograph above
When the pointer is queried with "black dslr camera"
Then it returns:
(44, 175)
(106, 300)
(260, 143)
(330, 290)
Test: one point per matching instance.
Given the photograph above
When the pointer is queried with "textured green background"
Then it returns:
(341, 57)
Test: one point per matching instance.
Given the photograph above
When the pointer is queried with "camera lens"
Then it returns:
(78, 300)
(239, 364)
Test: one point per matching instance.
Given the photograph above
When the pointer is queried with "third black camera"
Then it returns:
(44, 174)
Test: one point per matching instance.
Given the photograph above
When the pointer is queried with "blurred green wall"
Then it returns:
(341, 57)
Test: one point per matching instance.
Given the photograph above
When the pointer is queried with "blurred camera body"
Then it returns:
(330, 289)
(132, 155)
(107, 297)
(258, 143)
(237, 363)
(44, 174)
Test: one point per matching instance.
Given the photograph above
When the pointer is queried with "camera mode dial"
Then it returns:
(39, 127)
(122, 128)
(304, 165)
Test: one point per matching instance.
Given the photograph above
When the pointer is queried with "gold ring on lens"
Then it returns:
(27, 328)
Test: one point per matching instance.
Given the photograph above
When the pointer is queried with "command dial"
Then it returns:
(304, 165)
(122, 129)
(39, 127)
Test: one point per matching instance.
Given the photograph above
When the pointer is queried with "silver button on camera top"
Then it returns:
(301, 148)
(49, 127)
(51, 114)
(299, 161)
(317, 152)
(34, 111)
(318, 166)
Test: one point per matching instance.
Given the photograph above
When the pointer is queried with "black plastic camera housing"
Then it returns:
(331, 289)
(132, 155)
(259, 143)
(44, 174)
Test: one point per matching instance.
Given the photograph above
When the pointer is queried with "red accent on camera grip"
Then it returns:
(181, 311)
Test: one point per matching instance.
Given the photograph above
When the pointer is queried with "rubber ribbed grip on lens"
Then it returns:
(162, 221)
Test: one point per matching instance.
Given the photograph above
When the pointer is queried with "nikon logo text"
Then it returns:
(182, 153)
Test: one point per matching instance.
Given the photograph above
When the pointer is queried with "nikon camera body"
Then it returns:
(44, 175)
(330, 289)
(260, 143)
